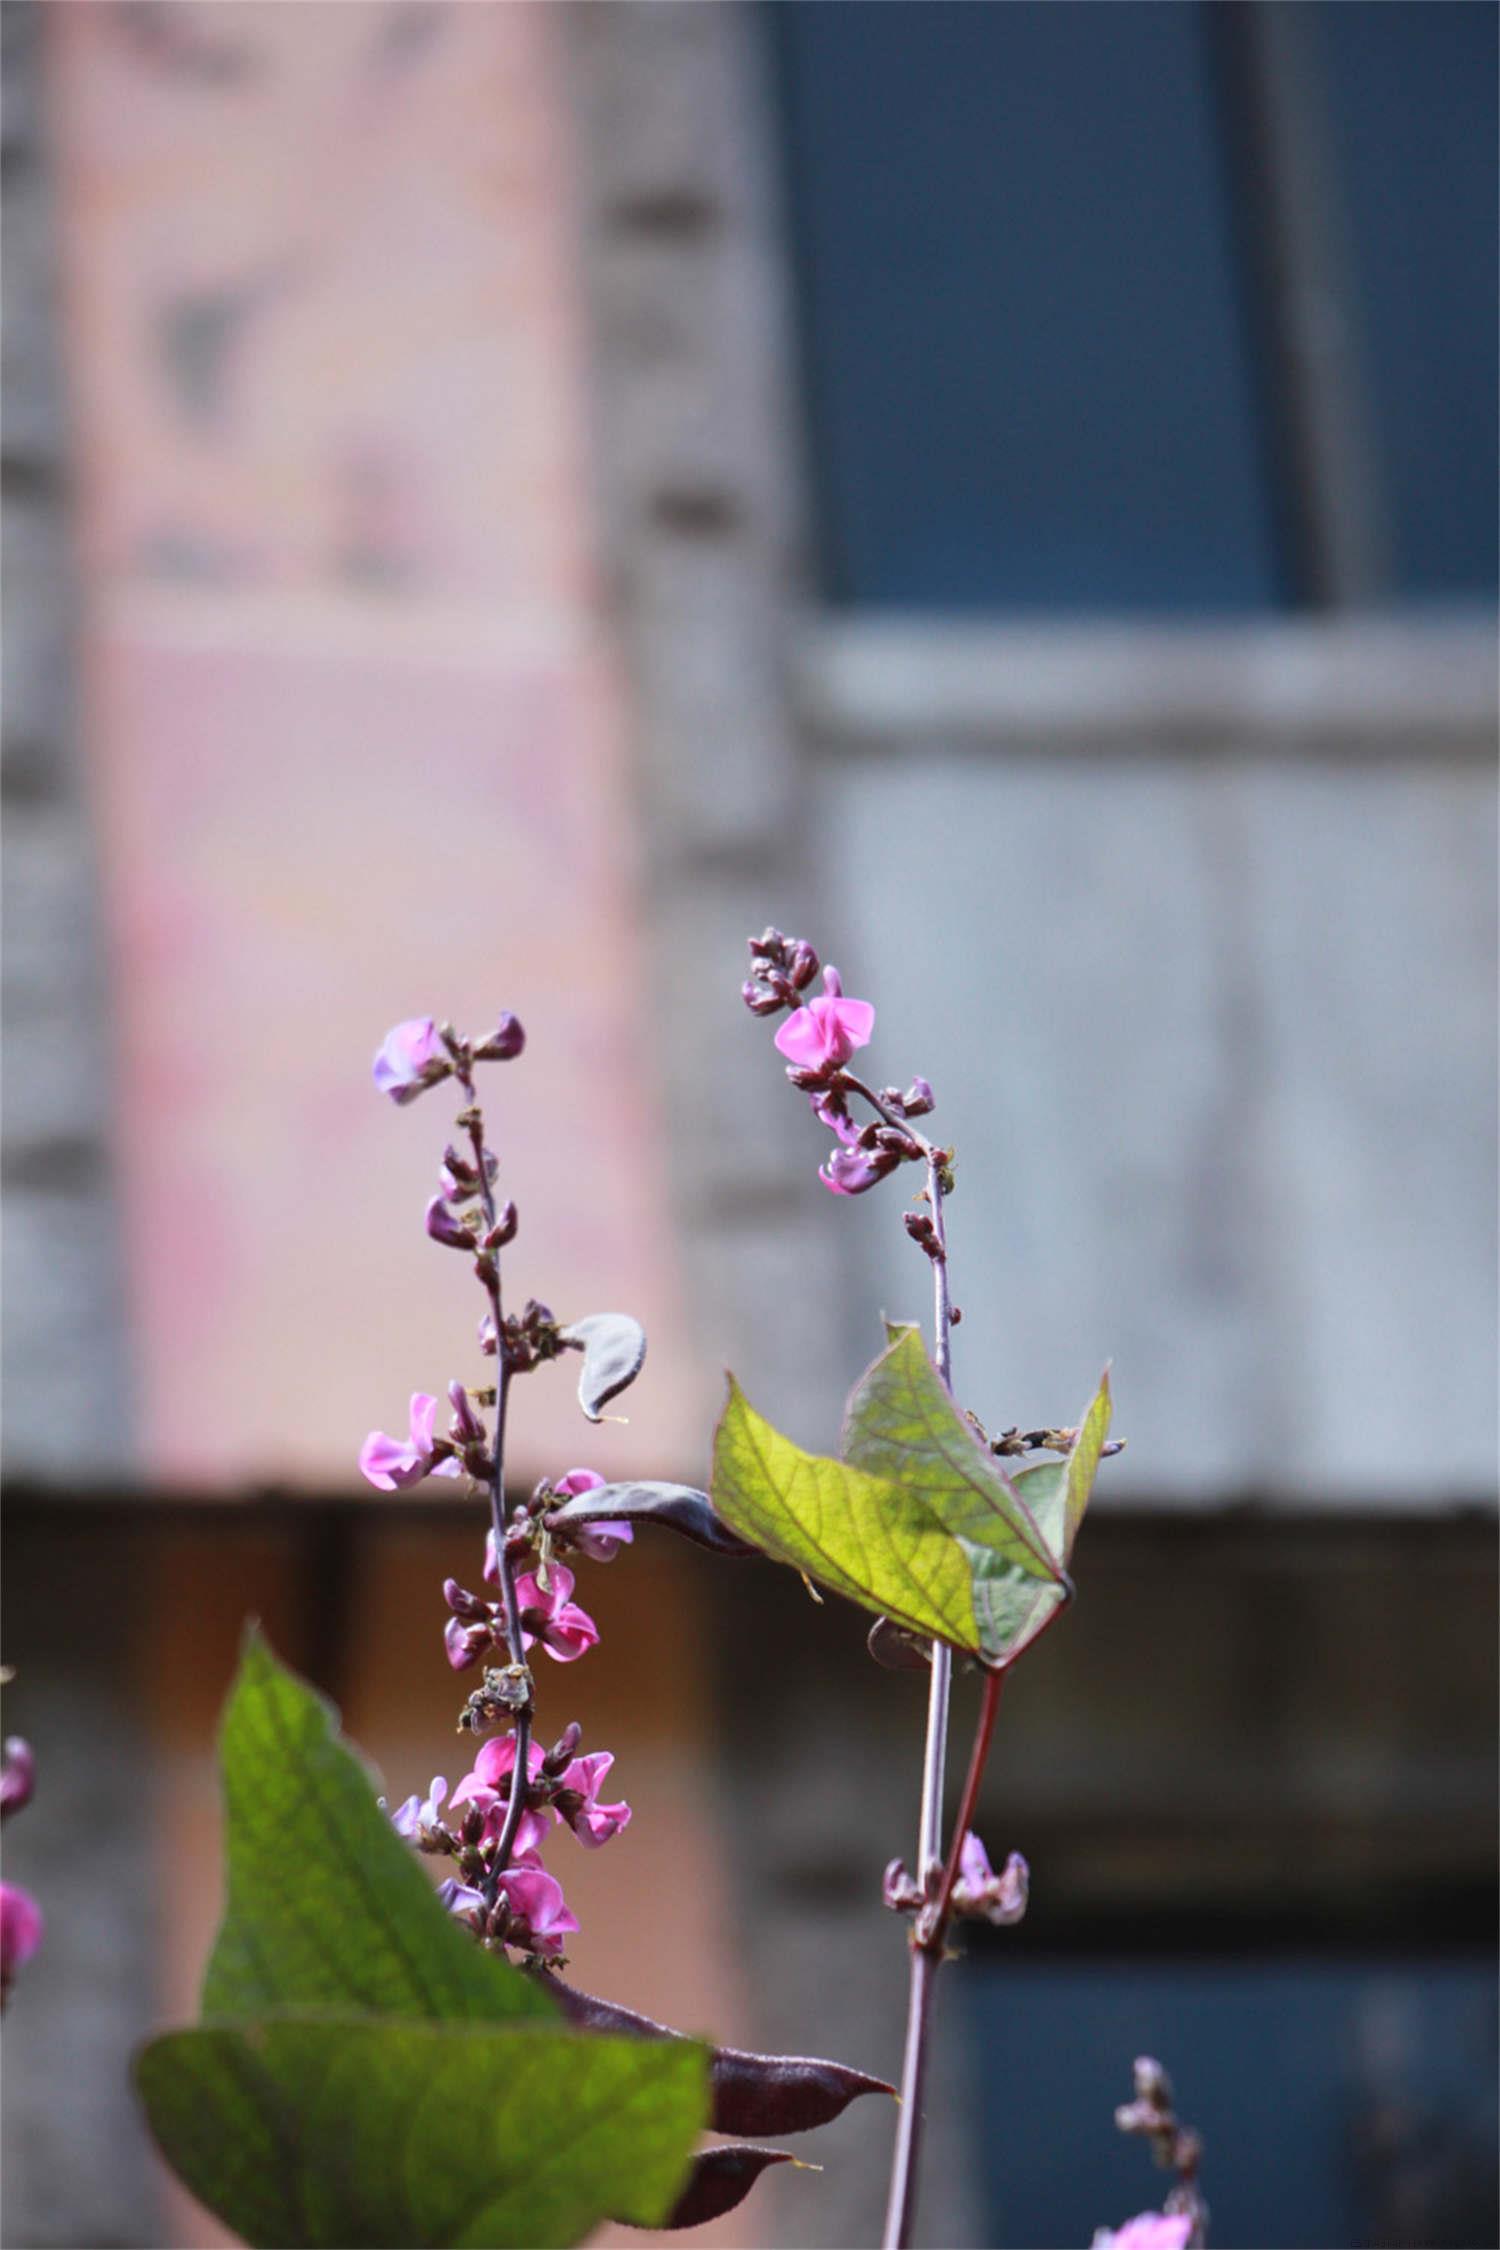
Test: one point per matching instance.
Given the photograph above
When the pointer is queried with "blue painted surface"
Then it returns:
(1411, 91)
(1026, 359)
(1028, 330)
(1284, 2064)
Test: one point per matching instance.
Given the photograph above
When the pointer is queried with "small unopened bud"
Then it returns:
(917, 1100)
(898, 1889)
(487, 1342)
(461, 1170)
(445, 1228)
(507, 1219)
(768, 946)
(802, 964)
(463, 1604)
(809, 1078)
(466, 1426)
(1151, 2081)
(505, 1042)
(759, 998)
(564, 1750)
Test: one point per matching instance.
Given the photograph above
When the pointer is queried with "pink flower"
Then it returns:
(417, 1813)
(536, 1899)
(496, 1762)
(826, 1032)
(463, 1901)
(849, 1171)
(411, 1058)
(21, 1928)
(1148, 2230)
(600, 1541)
(592, 1823)
(549, 1615)
(391, 1465)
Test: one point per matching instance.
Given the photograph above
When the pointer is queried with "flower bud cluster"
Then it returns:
(818, 1040)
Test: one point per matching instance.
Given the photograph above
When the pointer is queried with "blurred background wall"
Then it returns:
(500, 501)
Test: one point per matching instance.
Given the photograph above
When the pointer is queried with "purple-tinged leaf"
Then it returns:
(747, 2093)
(614, 1350)
(719, 2179)
(898, 1649)
(678, 1506)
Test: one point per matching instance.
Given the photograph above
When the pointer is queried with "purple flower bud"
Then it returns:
(504, 1042)
(507, 1219)
(802, 966)
(463, 1902)
(470, 1607)
(850, 1171)
(464, 1644)
(466, 1427)
(18, 1778)
(759, 998)
(564, 1750)
(809, 1077)
(445, 1228)
(917, 1100)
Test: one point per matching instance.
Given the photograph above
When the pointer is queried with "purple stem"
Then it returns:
(516, 1806)
(925, 1957)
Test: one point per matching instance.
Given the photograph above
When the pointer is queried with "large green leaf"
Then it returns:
(353, 2131)
(325, 1907)
(930, 1540)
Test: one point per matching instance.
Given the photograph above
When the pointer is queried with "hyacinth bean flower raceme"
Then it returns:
(411, 1058)
(391, 1464)
(1149, 2230)
(825, 1032)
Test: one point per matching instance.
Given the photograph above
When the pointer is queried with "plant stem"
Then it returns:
(520, 1776)
(925, 1957)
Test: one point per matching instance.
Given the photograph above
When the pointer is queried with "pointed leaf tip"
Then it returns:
(614, 1350)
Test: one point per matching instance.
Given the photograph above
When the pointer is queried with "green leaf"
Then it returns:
(348, 2131)
(929, 1541)
(901, 1424)
(1055, 1494)
(325, 1906)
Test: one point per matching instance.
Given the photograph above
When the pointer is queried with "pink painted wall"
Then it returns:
(354, 723)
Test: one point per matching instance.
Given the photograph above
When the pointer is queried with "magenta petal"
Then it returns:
(569, 1633)
(856, 1020)
(800, 1039)
(598, 1823)
(388, 1464)
(464, 1644)
(602, 1541)
(423, 1418)
(21, 1928)
(575, 1481)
